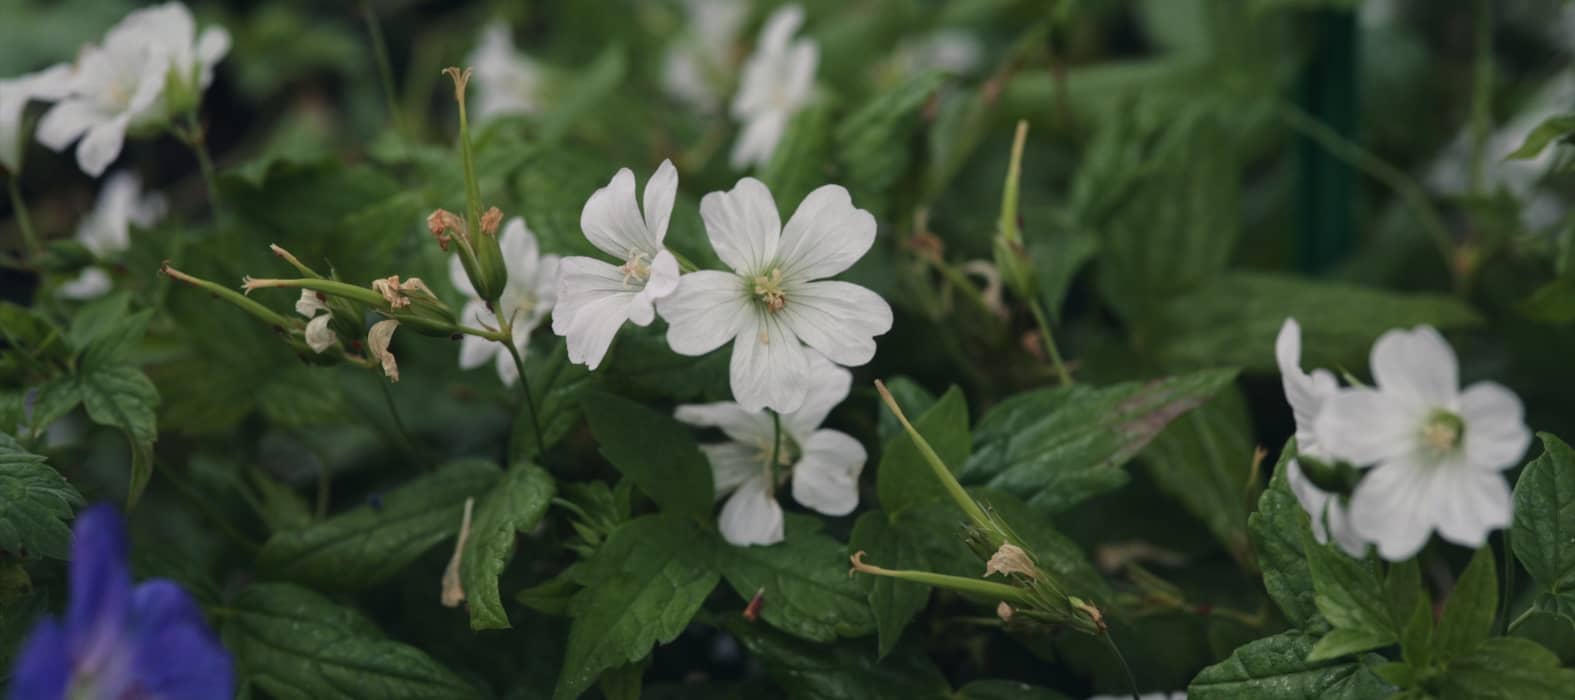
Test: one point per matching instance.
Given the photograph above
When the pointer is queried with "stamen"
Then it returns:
(1443, 431)
(635, 268)
(769, 290)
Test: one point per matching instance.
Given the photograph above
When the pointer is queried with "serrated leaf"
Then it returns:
(653, 450)
(1468, 614)
(1351, 597)
(365, 546)
(1057, 447)
(1556, 128)
(815, 671)
(893, 603)
(1543, 535)
(293, 643)
(807, 590)
(1057, 258)
(874, 142)
(513, 506)
(1275, 668)
(642, 588)
(904, 479)
(38, 503)
(1234, 320)
(1506, 668)
(1277, 530)
(124, 398)
(555, 384)
(1203, 459)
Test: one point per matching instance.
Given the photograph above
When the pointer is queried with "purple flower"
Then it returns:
(119, 640)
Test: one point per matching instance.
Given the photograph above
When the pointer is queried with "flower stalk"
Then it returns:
(975, 514)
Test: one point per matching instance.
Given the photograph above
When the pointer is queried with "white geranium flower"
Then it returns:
(526, 299)
(596, 297)
(505, 80)
(1436, 451)
(950, 50)
(119, 84)
(822, 465)
(775, 301)
(1306, 393)
(107, 230)
(697, 63)
(319, 336)
(46, 85)
(776, 83)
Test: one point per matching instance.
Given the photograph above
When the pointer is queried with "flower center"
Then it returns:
(1443, 431)
(786, 453)
(635, 268)
(768, 289)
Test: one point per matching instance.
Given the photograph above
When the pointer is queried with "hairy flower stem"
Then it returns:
(979, 587)
(263, 313)
(961, 497)
(23, 221)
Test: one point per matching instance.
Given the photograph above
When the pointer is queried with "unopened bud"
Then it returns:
(1004, 612)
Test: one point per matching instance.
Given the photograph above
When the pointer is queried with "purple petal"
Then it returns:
(43, 668)
(100, 587)
(177, 655)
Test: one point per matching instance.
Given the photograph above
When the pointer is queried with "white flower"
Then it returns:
(595, 297)
(107, 230)
(775, 301)
(506, 81)
(1306, 393)
(118, 85)
(45, 85)
(698, 61)
(776, 83)
(526, 299)
(319, 336)
(823, 465)
(950, 50)
(1437, 451)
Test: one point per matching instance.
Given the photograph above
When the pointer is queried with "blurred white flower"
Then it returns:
(1306, 393)
(1435, 451)
(823, 465)
(46, 85)
(696, 65)
(125, 82)
(107, 230)
(596, 297)
(318, 335)
(776, 83)
(505, 80)
(526, 299)
(775, 302)
(952, 51)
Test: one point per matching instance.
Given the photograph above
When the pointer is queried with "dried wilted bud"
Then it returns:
(1004, 612)
(992, 285)
(928, 246)
(490, 220)
(414, 284)
(453, 588)
(1011, 559)
(441, 222)
(461, 79)
(389, 288)
(377, 341)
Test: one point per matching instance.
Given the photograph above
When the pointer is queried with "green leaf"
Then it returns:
(1276, 668)
(1543, 533)
(1468, 615)
(904, 478)
(104, 333)
(1277, 530)
(1416, 638)
(55, 398)
(847, 669)
(1057, 259)
(279, 506)
(1005, 690)
(367, 545)
(893, 603)
(641, 363)
(1552, 303)
(514, 505)
(797, 166)
(556, 385)
(38, 502)
(123, 397)
(1556, 128)
(914, 400)
(642, 588)
(1234, 320)
(1344, 641)
(1506, 668)
(874, 143)
(1058, 447)
(1056, 554)
(293, 643)
(95, 318)
(653, 450)
(804, 584)
(590, 87)
(1350, 596)
(1203, 459)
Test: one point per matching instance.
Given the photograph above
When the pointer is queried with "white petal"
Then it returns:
(1416, 365)
(1391, 507)
(732, 464)
(755, 144)
(840, 319)
(801, 61)
(91, 283)
(310, 303)
(660, 191)
(1496, 435)
(319, 336)
(1473, 505)
(751, 428)
(708, 309)
(743, 225)
(752, 515)
(66, 122)
(1305, 393)
(1364, 426)
(475, 351)
(612, 221)
(769, 366)
(826, 477)
(779, 28)
(212, 46)
(508, 372)
(662, 282)
(102, 145)
(377, 342)
(1328, 515)
(459, 278)
(825, 236)
(592, 305)
(828, 386)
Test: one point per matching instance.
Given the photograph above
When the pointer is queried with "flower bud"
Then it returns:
(413, 303)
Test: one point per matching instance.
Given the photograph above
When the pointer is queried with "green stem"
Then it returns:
(1481, 92)
(385, 73)
(530, 400)
(195, 138)
(1014, 170)
(205, 505)
(23, 221)
(265, 314)
(963, 584)
(1518, 620)
(326, 286)
(776, 444)
(1509, 582)
(408, 444)
(961, 497)
(1049, 342)
(1131, 679)
(1397, 180)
